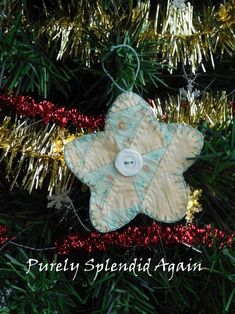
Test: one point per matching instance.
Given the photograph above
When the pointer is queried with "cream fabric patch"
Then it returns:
(135, 165)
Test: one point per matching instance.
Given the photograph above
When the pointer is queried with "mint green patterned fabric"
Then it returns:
(158, 189)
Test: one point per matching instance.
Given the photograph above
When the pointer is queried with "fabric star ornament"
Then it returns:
(135, 165)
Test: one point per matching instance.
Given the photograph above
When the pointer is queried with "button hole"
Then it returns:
(128, 162)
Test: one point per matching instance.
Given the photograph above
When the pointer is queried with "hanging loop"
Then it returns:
(137, 69)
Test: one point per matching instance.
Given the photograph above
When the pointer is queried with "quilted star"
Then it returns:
(135, 165)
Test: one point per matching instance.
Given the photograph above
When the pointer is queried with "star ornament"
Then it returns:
(135, 165)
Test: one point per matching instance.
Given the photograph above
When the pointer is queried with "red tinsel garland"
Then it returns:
(140, 237)
(49, 112)
(3, 234)
(146, 235)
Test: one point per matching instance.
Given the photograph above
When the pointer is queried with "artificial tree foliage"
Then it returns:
(34, 62)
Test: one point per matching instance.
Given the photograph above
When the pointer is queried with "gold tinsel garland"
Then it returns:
(33, 153)
(226, 13)
(181, 35)
(194, 205)
(214, 109)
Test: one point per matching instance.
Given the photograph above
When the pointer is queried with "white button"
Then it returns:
(128, 162)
